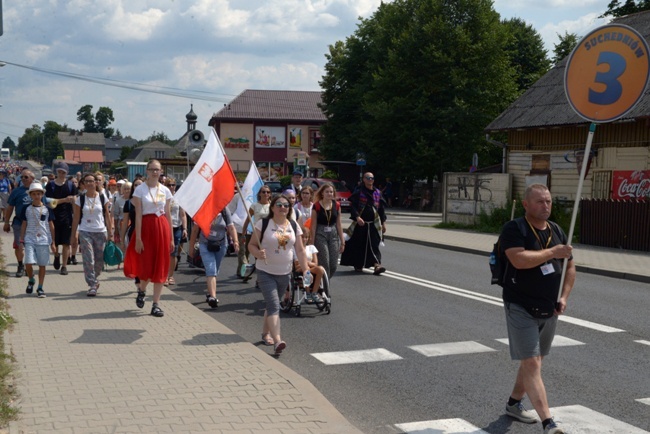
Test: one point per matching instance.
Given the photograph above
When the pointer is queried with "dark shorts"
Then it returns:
(528, 336)
(62, 233)
(177, 234)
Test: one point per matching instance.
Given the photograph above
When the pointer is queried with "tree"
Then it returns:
(159, 136)
(8, 143)
(42, 145)
(564, 47)
(527, 53)
(615, 9)
(415, 86)
(98, 123)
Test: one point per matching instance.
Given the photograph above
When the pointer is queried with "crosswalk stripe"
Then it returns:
(361, 356)
(443, 426)
(579, 419)
(645, 401)
(450, 348)
(643, 342)
(558, 341)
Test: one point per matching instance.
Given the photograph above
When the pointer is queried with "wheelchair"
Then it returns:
(298, 295)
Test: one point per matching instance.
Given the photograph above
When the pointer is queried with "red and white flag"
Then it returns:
(209, 187)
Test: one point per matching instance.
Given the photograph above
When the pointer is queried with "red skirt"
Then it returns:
(152, 264)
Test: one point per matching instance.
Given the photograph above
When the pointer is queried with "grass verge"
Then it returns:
(8, 392)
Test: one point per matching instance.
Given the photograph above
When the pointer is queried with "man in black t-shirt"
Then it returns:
(64, 192)
(535, 249)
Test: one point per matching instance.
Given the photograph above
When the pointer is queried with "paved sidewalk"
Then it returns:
(101, 365)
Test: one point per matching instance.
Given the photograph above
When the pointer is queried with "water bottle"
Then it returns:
(493, 259)
(307, 279)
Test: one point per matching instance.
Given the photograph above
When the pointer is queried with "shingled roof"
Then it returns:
(545, 104)
(282, 105)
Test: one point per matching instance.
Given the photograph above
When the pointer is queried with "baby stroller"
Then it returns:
(298, 294)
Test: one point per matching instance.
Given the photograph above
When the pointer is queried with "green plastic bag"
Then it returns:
(112, 254)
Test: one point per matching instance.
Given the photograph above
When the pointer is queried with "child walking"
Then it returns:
(37, 235)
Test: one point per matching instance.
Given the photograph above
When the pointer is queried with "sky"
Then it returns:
(200, 52)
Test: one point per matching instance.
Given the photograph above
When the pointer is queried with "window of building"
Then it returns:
(314, 140)
(159, 154)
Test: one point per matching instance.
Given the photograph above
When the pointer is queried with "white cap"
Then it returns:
(120, 182)
(36, 186)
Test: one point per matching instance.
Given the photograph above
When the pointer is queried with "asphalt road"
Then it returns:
(432, 296)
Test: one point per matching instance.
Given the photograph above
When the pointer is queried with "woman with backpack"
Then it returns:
(91, 228)
(326, 229)
(213, 248)
(272, 245)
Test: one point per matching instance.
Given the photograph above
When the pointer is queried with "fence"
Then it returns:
(615, 223)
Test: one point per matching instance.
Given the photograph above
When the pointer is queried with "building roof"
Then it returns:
(281, 105)
(119, 142)
(81, 138)
(148, 151)
(545, 103)
(84, 156)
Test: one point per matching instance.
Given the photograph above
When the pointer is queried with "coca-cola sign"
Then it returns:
(631, 184)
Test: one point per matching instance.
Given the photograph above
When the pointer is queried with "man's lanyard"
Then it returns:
(548, 242)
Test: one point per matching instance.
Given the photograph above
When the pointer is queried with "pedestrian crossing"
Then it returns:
(575, 419)
(427, 350)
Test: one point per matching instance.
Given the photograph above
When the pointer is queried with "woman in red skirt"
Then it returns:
(147, 255)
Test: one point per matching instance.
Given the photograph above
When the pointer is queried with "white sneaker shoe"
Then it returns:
(519, 412)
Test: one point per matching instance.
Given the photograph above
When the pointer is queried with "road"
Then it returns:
(434, 327)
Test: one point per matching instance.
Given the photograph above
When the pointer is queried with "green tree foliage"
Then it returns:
(96, 123)
(527, 53)
(8, 143)
(564, 47)
(159, 136)
(125, 151)
(415, 86)
(41, 144)
(616, 9)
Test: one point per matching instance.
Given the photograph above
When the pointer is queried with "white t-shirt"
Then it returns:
(153, 199)
(92, 219)
(309, 251)
(278, 243)
(175, 211)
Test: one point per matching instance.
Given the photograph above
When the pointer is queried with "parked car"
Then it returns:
(342, 192)
(275, 186)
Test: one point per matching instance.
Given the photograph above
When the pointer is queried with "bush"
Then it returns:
(330, 174)
(285, 181)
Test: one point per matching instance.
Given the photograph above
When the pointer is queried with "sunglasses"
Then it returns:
(172, 185)
(369, 178)
(282, 205)
(25, 177)
(265, 192)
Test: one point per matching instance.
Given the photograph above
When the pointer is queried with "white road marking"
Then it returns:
(362, 356)
(578, 419)
(450, 348)
(496, 301)
(558, 341)
(645, 401)
(643, 342)
(442, 426)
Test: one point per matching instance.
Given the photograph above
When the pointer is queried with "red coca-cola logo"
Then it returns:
(631, 185)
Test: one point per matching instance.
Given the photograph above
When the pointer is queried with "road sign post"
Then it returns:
(605, 77)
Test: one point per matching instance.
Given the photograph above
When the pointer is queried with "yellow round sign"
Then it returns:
(607, 73)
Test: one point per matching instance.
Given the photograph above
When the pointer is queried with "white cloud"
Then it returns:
(580, 26)
(124, 26)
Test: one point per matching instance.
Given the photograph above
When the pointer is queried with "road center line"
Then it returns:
(489, 299)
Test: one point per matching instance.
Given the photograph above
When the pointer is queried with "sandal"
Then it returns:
(267, 339)
(157, 311)
(279, 347)
(139, 299)
(171, 281)
(378, 270)
(213, 302)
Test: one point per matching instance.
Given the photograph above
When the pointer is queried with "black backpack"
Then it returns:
(499, 262)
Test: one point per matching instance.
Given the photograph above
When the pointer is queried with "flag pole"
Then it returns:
(239, 192)
(576, 204)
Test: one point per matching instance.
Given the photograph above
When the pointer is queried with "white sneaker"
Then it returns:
(552, 428)
(519, 412)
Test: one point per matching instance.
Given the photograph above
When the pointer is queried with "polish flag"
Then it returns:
(209, 187)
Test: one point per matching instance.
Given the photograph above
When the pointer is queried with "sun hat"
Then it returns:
(36, 186)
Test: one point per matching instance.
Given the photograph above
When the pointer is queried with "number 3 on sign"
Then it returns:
(607, 72)
(613, 87)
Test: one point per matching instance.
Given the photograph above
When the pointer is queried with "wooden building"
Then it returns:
(543, 132)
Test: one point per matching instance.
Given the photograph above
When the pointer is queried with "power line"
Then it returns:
(142, 87)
